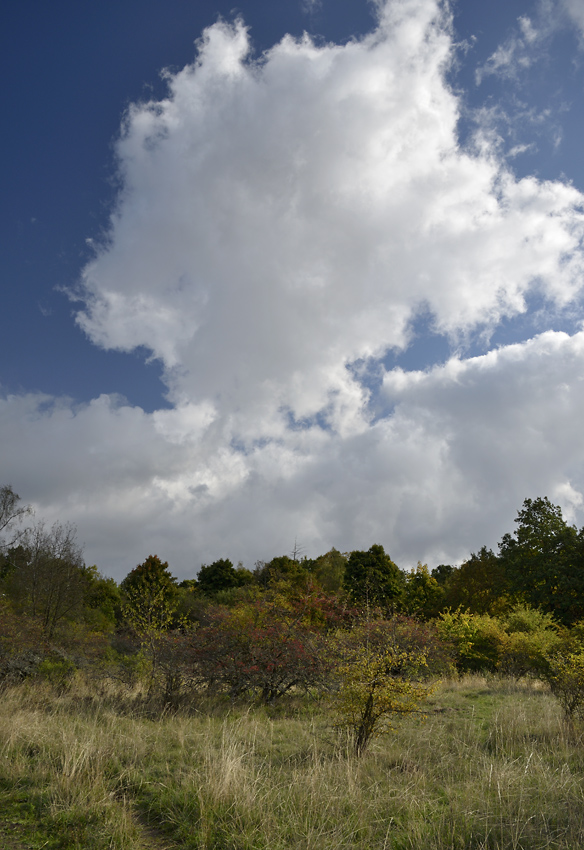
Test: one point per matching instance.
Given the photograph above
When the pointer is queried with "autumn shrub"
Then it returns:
(407, 634)
(531, 636)
(566, 678)
(258, 649)
(476, 640)
(376, 682)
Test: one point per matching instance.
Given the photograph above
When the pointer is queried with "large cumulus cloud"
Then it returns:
(281, 220)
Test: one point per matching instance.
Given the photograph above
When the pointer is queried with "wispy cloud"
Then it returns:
(310, 7)
(531, 40)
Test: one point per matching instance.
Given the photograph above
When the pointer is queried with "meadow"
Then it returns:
(491, 765)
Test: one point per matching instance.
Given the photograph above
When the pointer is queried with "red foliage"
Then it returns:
(259, 649)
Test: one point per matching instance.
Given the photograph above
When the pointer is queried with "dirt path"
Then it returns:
(24, 836)
(154, 838)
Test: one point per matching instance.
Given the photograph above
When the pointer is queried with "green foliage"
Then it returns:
(329, 570)
(442, 573)
(476, 639)
(544, 561)
(57, 670)
(376, 682)
(566, 679)
(102, 600)
(47, 578)
(149, 604)
(218, 576)
(149, 596)
(479, 585)
(294, 573)
(516, 645)
(531, 636)
(372, 579)
(423, 595)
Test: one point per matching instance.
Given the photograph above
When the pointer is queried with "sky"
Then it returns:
(300, 273)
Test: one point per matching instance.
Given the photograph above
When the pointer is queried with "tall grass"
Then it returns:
(493, 767)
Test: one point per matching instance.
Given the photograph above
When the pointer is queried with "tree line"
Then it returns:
(351, 627)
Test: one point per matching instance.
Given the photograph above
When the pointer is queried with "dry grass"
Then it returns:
(492, 767)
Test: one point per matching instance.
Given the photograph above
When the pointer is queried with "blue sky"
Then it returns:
(322, 287)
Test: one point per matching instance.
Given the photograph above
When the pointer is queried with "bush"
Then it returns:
(376, 682)
(476, 640)
(258, 649)
(531, 637)
(566, 679)
(57, 670)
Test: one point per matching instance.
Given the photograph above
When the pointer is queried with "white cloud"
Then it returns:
(280, 220)
(574, 9)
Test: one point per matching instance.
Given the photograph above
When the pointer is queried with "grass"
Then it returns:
(492, 767)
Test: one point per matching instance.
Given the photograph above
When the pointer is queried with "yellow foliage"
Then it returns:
(376, 683)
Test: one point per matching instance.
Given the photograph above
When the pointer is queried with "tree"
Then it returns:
(283, 569)
(11, 514)
(479, 585)
(423, 594)
(221, 575)
(442, 573)
(102, 600)
(544, 560)
(329, 570)
(149, 597)
(377, 681)
(476, 640)
(47, 576)
(532, 636)
(262, 649)
(149, 594)
(372, 579)
(566, 679)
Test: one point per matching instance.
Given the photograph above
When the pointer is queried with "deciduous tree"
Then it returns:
(544, 560)
(47, 578)
(149, 596)
(372, 579)
(11, 515)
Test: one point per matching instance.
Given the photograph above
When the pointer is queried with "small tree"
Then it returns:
(329, 570)
(149, 596)
(377, 682)
(531, 637)
(476, 640)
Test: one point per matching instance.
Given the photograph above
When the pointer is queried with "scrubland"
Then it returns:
(492, 764)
